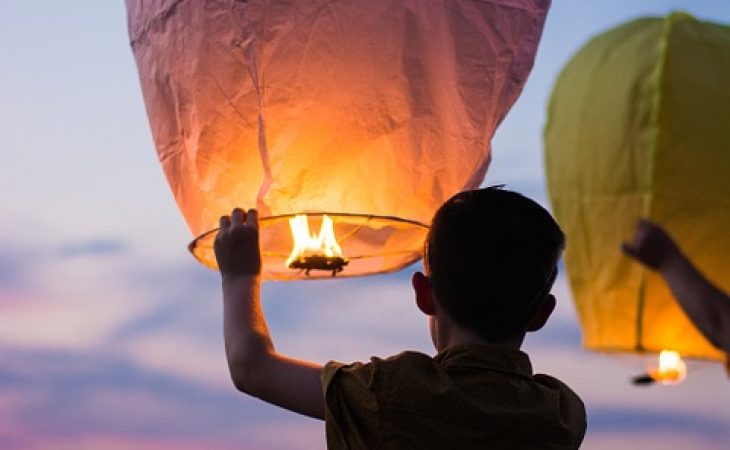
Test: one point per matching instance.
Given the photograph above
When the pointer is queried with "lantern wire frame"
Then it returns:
(371, 244)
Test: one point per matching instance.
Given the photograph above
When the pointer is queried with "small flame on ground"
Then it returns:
(671, 370)
(306, 244)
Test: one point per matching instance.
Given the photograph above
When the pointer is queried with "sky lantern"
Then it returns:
(346, 123)
(639, 126)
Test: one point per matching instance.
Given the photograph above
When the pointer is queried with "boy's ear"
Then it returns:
(541, 313)
(424, 293)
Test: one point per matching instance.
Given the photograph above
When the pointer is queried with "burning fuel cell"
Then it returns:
(671, 370)
(315, 252)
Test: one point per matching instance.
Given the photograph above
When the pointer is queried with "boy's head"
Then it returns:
(491, 257)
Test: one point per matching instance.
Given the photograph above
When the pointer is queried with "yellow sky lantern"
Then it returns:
(360, 115)
(639, 126)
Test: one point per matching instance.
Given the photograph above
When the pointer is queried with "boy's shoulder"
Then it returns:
(372, 374)
(476, 385)
(478, 360)
(477, 369)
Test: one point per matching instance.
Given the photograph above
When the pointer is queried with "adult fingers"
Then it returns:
(646, 226)
(630, 250)
(224, 222)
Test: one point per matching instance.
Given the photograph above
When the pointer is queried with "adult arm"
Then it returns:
(707, 306)
(255, 366)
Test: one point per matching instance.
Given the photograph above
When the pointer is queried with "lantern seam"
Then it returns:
(650, 173)
(260, 82)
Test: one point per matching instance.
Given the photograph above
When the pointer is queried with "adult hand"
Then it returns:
(237, 244)
(651, 246)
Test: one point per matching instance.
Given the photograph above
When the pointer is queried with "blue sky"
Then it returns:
(110, 333)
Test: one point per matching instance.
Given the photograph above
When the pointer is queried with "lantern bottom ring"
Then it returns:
(370, 244)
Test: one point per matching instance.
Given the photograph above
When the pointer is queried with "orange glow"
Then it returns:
(672, 370)
(307, 245)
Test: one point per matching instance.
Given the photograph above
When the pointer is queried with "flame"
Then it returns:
(307, 244)
(672, 370)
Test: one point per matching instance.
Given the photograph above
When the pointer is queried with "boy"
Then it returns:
(490, 260)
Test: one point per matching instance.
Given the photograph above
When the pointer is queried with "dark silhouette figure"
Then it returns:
(490, 262)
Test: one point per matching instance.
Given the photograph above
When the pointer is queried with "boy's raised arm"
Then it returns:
(256, 368)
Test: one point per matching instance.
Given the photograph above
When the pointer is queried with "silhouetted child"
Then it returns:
(706, 305)
(490, 262)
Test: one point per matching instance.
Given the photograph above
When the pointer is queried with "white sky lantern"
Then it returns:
(371, 113)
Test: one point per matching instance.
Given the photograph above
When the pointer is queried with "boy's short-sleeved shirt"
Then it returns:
(467, 397)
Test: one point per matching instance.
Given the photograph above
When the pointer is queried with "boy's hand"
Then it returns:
(237, 244)
(651, 246)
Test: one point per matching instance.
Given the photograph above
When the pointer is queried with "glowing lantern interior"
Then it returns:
(375, 112)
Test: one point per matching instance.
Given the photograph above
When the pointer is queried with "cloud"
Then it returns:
(623, 420)
(75, 396)
(75, 302)
(13, 264)
(93, 247)
(346, 319)
(181, 295)
(20, 263)
(144, 309)
(179, 331)
(557, 332)
(127, 352)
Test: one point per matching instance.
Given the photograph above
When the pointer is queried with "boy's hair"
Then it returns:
(491, 255)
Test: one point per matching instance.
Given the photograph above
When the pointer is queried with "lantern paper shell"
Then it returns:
(639, 126)
(374, 112)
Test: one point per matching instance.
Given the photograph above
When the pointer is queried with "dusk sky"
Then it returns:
(110, 332)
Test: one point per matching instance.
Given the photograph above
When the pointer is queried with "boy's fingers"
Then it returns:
(252, 218)
(224, 222)
(238, 217)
